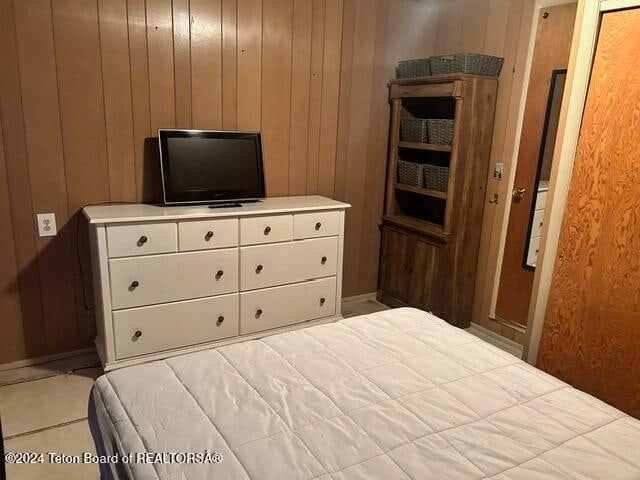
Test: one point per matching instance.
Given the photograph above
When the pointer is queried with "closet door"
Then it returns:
(591, 335)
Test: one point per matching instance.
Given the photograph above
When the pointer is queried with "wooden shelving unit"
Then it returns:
(430, 238)
(421, 191)
(425, 146)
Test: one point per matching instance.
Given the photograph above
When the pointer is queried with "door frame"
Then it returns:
(510, 180)
(580, 63)
(495, 226)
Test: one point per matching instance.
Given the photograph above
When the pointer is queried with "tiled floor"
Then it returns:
(44, 410)
(49, 415)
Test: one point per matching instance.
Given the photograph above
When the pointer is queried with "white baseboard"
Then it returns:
(360, 298)
(29, 362)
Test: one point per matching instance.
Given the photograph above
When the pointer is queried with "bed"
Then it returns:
(398, 394)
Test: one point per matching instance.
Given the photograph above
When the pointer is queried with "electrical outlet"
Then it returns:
(47, 224)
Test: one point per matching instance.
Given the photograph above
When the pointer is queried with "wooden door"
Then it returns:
(551, 52)
(395, 260)
(591, 334)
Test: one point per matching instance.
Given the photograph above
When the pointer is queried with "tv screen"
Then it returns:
(205, 166)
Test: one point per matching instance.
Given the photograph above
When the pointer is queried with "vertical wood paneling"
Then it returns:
(19, 187)
(81, 102)
(12, 322)
(249, 65)
(229, 64)
(450, 16)
(80, 96)
(474, 25)
(315, 101)
(182, 62)
(140, 108)
(160, 58)
(116, 78)
(329, 95)
(344, 112)
(46, 167)
(300, 89)
(360, 106)
(206, 63)
(277, 37)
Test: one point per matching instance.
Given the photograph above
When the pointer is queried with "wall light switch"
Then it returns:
(497, 171)
(47, 224)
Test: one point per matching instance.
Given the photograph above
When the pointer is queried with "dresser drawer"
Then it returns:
(316, 224)
(282, 263)
(141, 239)
(279, 306)
(167, 278)
(204, 234)
(162, 327)
(536, 223)
(268, 229)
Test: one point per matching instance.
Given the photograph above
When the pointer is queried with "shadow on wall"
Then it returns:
(56, 289)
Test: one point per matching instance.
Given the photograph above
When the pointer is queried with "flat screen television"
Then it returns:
(209, 166)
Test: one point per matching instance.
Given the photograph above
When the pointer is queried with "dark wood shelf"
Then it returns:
(432, 230)
(434, 147)
(443, 78)
(421, 191)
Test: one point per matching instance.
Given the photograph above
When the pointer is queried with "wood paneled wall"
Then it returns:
(85, 83)
(84, 86)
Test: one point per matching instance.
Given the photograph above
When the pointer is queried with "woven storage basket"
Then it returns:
(410, 173)
(471, 63)
(414, 130)
(406, 69)
(440, 131)
(436, 178)
(419, 67)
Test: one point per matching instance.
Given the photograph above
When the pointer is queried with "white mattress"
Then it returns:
(394, 395)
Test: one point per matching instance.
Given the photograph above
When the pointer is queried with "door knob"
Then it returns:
(518, 194)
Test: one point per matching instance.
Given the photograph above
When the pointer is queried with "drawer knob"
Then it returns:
(134, 285)
(208, 235)
(258, 312)
(318, 225)
(219, 274)
(220, 320)
(267, 230)
(138, 334)
(258, 268)
(323, 260)
(322, 300)
(142, 240)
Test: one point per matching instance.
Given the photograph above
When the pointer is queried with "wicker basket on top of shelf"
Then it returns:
(470, 63)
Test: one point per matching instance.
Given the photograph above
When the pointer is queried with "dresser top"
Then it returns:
(120, 213)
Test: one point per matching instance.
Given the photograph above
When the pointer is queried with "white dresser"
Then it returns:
(170, 280)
